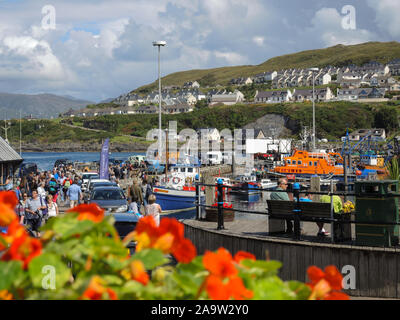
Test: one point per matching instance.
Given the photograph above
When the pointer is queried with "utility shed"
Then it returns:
(10, 160)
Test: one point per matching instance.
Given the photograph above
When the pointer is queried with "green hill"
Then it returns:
(339, 55)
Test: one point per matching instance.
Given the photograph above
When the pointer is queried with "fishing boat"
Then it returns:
(268, 184)
(246, 185)
(307, 164)
(177, 192)
(173, 200)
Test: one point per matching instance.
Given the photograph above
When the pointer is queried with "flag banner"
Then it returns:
(104, 160)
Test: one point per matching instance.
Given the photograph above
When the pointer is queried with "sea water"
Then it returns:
(46, 160)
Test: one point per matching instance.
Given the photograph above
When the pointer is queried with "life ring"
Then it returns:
(176, 180)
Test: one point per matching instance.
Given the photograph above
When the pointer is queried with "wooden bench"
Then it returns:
(280, 211)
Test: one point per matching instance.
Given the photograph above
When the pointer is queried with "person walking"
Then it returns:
(74, 194)
(153, 209)
(52, 207)
(21, 207)
(283, 196)
(135, 194)
(34, 212)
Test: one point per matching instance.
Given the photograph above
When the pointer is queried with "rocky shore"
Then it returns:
(79, 147)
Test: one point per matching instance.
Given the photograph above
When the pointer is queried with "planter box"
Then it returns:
(212, 214)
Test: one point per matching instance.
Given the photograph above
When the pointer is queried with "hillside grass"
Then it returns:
(339, 55)
(332, 119)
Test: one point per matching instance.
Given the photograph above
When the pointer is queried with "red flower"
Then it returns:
(325, 285)
(220, 264)
(97, 291)
(7, 215)
(9, 198)
(90, 212)
(241, 255)
(234, 288)
(168, 237)
(23, 249)
(139, 272)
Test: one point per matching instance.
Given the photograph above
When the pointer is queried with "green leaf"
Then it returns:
(261, 268)
(300, 289)
(11, 274)
(272, 288)
(151, 258)
(47, 271)
(67, 227)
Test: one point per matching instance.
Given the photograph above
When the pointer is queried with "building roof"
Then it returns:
(7, 153)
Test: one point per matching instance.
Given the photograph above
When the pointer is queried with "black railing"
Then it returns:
(296, 214)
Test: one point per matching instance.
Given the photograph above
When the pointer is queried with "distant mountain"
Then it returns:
(39, 106)
(107, 100)
(339, 55)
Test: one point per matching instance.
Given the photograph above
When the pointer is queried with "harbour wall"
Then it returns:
(377, 270)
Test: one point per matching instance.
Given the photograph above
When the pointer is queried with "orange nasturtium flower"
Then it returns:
(97, 291)
(5, 295)
(242, 255)
(23, 249)
(9, 198)
(168, 237)
(90, 212)
(223, 282)
(220, 264)
(139, 272)
(326, 285)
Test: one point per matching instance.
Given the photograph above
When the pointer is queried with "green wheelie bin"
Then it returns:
(376, 205)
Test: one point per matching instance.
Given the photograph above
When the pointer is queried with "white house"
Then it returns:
(227, 99)
(273, 96)
(210, 134)
(323, 79)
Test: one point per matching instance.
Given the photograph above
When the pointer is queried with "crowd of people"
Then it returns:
(41, 194)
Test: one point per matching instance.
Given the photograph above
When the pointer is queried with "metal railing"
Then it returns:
(296, 215)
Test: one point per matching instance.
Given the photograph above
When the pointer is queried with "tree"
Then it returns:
(387, 119)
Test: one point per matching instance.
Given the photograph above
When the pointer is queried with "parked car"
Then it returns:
(86, 177)
(111, 199)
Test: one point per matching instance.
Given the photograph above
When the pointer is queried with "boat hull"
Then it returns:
(172, 200)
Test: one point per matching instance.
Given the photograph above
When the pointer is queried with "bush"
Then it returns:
(91, 262)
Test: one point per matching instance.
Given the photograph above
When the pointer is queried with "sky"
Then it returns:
(97, 49)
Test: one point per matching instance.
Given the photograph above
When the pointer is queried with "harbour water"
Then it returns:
(45, 160)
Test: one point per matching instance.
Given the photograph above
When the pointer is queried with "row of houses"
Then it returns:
(145, 109)
(188, 96)
(282, 96)
(321, 95)
(371, 74)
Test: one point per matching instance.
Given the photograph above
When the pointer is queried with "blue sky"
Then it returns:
(100, 49)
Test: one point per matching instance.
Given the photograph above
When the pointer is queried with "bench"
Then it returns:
(280, 211)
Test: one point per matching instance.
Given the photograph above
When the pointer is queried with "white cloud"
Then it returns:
(259, 41)
(387, 15)
(36, 58)
(327, 24)
(232, 58)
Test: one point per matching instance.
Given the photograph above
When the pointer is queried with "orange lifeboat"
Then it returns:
(304, 163)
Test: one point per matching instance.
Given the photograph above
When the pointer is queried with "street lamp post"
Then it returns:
(313, 70)
(159, 44)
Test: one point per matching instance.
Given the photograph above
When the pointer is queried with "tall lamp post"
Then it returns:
(313, 70)
(159, 44)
